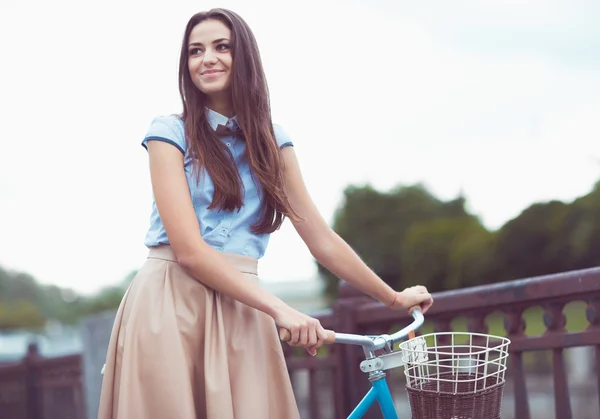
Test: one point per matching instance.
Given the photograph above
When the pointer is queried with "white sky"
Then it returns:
(500, 98)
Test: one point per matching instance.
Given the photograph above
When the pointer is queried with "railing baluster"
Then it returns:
(346, 367)
(592, 313)
(561, 387)
(476, 323)
(555, 320)
(338, 388)
(515, 328)
(443, 324)
(315, 412)
(520, 388)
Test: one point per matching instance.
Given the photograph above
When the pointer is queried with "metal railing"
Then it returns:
(508, 301)
(46, 388)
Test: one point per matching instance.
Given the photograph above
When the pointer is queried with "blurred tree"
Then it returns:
(472, 259)
(59, 304)
(20, 314)
(3, 281)
(584, 230)
(26, 304)
(537, 242)
(108, 298)
(375, 225)
(22, 287)
(407, 236)
(447, 253)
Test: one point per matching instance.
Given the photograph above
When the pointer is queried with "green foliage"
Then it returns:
(534, 242)
(445, 253)
(408, 236)
(375, 225)
(584, 237)
(107, 299)
(20, 314)
(25, 304)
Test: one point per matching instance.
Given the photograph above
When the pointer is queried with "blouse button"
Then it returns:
(228, 144)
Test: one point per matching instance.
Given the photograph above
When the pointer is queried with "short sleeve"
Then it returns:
(168, 129)
(283, 139)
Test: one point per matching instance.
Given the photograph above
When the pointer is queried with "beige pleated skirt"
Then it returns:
(180, 350)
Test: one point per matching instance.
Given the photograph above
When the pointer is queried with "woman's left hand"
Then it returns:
(413, 296)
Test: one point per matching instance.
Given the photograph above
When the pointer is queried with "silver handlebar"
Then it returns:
(373, 343)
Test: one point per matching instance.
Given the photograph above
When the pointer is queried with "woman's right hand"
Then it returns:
(305, 331)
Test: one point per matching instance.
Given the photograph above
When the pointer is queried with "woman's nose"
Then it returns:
(209, 57)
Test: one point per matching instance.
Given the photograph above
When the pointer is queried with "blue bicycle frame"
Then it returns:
(380, 393)
(376, 365)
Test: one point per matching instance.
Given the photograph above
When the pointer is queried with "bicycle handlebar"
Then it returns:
(370, 343)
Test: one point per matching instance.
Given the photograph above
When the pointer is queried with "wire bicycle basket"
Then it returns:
(455, 375)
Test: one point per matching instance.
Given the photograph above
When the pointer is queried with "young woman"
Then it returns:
(195, 335)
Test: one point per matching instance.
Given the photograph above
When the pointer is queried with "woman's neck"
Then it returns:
(221, 104)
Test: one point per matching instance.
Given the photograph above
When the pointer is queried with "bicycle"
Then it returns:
(445, 379)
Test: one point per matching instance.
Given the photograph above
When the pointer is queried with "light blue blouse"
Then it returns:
(226, 231)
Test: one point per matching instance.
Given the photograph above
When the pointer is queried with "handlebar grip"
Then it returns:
(285, 336)
(413, 308)
(411, 334)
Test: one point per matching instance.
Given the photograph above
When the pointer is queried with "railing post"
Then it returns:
(343, 320)
(348, 379)
(32, 397)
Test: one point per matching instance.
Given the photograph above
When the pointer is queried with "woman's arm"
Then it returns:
(201, 261)
(331, 251)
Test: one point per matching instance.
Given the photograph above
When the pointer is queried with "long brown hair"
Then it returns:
(250, 98)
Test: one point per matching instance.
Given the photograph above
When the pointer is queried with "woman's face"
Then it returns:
(209, 57)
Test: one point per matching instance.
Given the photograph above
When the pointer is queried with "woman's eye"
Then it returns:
(222, 47)
(195, 51)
